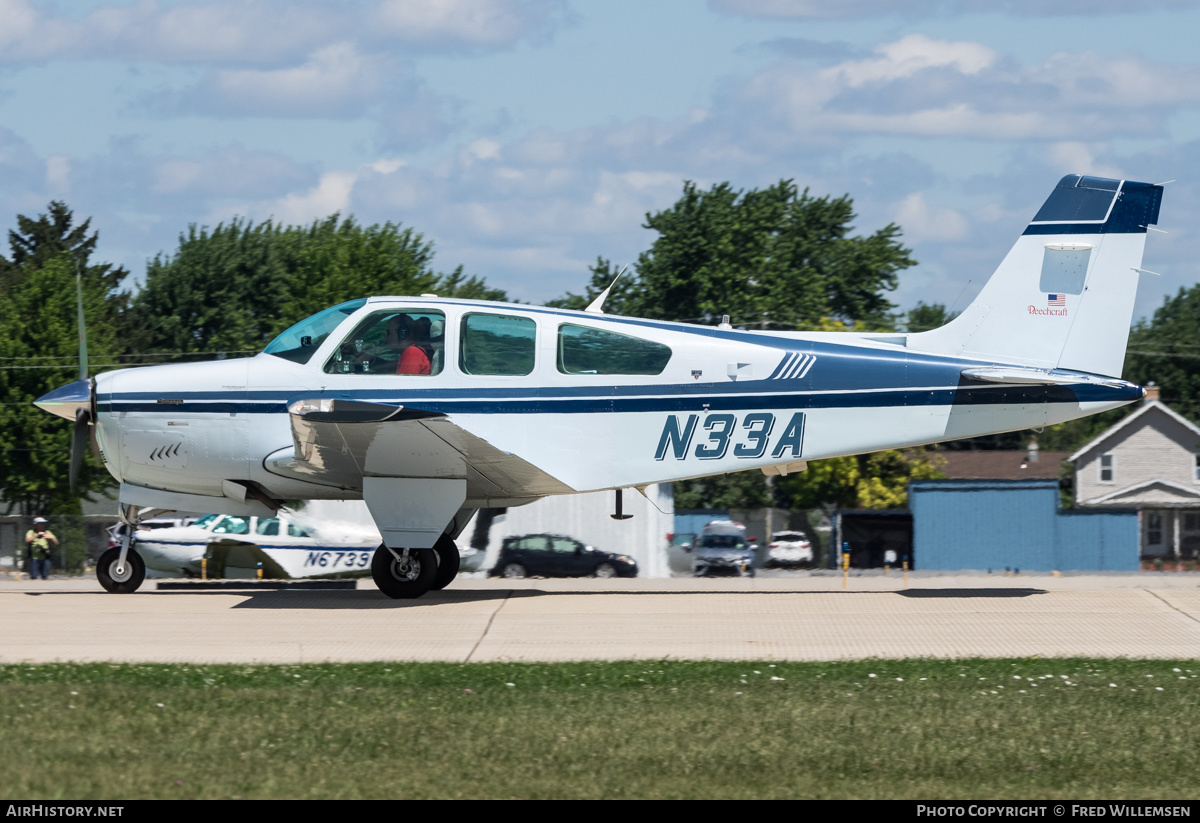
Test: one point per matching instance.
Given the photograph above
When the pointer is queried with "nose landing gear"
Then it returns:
(121, 571)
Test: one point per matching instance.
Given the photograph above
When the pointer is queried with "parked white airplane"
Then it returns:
(429, 409)
(236, 546)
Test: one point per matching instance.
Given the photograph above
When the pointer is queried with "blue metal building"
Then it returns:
(994, 524)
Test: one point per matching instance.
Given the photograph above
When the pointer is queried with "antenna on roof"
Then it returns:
(596, 306)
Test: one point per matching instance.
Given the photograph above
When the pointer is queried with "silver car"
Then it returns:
(723, 549)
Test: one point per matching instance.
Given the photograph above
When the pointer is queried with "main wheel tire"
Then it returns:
(128, 580)
(449, 561)
(514, 571)
(406, 578)
(606, 570)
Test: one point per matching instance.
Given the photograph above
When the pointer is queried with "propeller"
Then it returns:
(83, 431)
(79, 441)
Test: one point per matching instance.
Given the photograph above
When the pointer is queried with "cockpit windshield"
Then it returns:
(301, 341)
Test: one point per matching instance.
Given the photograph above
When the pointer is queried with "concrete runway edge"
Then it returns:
(785, 618)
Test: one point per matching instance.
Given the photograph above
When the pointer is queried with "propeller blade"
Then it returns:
(83, 358)
(79, 442)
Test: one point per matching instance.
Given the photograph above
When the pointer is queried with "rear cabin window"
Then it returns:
(584, 350)
(497, 344)
(395, 341)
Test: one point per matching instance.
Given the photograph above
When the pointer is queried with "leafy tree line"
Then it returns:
(235, 287)
(39, 346)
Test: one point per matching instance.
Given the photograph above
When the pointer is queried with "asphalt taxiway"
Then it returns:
(782, 618)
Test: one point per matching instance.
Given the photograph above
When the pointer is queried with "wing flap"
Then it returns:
(338, 442)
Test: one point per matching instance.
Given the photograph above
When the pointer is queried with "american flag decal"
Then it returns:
(1053, 300)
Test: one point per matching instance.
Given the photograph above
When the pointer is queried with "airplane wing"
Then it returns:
(339, 442)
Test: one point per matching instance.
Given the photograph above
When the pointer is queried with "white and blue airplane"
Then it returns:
(505, 404)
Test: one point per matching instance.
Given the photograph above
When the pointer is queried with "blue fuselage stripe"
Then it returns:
(714, 401)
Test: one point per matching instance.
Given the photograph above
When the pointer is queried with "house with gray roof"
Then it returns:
(1149, 461)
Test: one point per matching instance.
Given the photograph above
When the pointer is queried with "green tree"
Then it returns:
(926, 316)
(864, 481)
(231, 289)
(775, 257)
(1166, 351)
(39, 346)
(36, 242)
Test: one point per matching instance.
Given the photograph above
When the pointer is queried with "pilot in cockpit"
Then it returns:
(410, 338)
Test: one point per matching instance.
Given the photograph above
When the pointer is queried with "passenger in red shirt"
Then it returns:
(402, 334)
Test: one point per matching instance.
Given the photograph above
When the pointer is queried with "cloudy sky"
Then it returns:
(526, 137)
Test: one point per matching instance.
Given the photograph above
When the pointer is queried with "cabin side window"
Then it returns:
(1107, 468)
(585, 350)
(395, 341)
(497, 344)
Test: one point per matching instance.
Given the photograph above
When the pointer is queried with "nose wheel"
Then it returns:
(403, 574)
(121, 578)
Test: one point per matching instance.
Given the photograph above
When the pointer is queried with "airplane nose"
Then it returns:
(66, 400)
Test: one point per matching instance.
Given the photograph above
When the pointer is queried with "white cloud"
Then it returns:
(267, 31)
(227, 172)
(335, 79)
(921, 221)
(908, 55)
(58, 172)
(331, 194)
(19, 20)
(793, 9)
(921, 86)
(494, 23)
(861, 9)
(1080, 158)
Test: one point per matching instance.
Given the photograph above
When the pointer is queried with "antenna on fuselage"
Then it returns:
(595, 307)
(619, 514)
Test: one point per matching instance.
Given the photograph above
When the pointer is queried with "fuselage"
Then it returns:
(718, 399)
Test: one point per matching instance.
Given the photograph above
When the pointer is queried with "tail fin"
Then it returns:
(1063, 297)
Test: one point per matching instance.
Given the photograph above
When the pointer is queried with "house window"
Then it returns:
(1196, 466)
(1154, 529)
(1106, 468)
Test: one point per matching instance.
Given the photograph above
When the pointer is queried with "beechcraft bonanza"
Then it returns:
(429, 409)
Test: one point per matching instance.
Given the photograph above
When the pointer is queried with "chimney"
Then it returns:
(1032, 454)
(1151, 392)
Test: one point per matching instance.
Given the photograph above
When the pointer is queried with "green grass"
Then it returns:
(930, 729)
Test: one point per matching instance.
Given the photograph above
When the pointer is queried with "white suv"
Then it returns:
(788, 550)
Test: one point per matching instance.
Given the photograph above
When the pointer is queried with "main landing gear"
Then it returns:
(403, 574)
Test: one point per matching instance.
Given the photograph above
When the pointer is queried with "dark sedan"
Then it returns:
(553, 555)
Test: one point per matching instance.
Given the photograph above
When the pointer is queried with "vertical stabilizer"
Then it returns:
(1063, 296)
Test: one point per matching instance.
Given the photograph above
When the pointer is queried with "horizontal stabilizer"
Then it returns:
(1037, 377)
